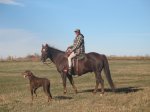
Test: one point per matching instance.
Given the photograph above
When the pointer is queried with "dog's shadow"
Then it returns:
(62, 98)
(117, 90)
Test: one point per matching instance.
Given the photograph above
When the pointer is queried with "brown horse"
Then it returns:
(93, 62)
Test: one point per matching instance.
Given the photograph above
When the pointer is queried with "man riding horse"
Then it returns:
(93, 62)
(76, 49)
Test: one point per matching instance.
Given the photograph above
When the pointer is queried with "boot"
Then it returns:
(69, 71)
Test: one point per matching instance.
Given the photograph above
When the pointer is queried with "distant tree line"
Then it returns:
(36, 57)
(29, 57)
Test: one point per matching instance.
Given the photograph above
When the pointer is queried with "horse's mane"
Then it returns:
(56, 49)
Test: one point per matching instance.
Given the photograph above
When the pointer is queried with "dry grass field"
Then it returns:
(131, 77)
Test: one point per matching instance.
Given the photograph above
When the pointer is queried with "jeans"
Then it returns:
(72, 55)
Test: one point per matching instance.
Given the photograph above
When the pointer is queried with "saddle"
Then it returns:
(75, 63)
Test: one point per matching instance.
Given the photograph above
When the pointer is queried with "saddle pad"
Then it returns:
(80, 56)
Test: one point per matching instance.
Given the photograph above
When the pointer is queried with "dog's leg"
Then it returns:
(32, 94)
(35, 91)
(47, 92)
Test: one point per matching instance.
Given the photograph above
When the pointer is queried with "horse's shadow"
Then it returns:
(128, 89)
(62, 98)
(117, 90)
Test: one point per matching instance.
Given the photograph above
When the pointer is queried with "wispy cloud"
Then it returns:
(18, 42)
(11, 2)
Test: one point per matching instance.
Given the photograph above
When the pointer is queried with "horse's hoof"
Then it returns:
(101, 94)
(65, 93)
(76, 91)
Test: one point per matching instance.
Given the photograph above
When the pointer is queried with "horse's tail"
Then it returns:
(107, 73)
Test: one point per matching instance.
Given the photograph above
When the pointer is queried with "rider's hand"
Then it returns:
(71, 51)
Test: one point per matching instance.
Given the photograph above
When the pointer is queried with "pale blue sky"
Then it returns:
(111, 27)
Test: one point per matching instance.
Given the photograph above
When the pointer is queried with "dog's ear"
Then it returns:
(30, 73)
(24, 76)
(25, 73)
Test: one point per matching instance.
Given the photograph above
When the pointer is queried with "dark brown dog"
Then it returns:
(36, 82)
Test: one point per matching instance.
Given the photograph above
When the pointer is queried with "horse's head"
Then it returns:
(44, 53)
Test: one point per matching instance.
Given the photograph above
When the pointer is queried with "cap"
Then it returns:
(77, 30)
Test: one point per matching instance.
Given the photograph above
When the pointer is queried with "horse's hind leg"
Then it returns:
(100, 80)
(102, 83)
(72, 83)
(97, 83)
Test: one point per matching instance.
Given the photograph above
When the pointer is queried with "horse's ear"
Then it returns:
(46, 45)
(42, 45)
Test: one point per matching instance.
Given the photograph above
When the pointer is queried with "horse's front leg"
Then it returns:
(64, 82)
(72, 83)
